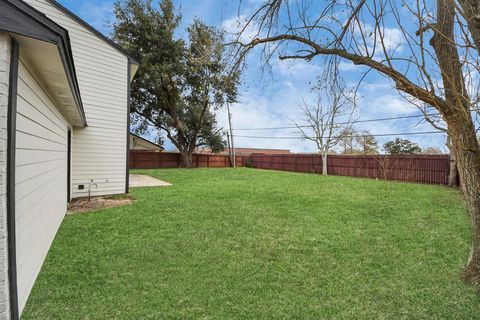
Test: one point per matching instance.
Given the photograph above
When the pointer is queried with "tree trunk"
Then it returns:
(187, 158)
(471, 9)
(324, 164)
(460, 126)
(453, 173)
(468, 163)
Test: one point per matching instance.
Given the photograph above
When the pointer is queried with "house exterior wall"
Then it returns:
(40, 177)
(4, 83)
(99, 150)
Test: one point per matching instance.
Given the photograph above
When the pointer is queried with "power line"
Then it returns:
(340, 123)
(347, 136)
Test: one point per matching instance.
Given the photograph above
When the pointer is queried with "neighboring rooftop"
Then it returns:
(248, 151)
(139, 143)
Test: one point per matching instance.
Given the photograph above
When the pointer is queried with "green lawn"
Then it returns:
(252, 244)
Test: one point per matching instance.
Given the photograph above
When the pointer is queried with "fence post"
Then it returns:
(432, 169)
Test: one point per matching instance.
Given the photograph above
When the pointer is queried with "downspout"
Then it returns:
(127, 166)
(11, 160)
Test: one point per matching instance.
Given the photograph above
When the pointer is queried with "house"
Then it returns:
(64, 108)
(142, 144)
(249, 151)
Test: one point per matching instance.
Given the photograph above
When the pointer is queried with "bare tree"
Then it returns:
(347, 141)
(386, 165)
(367, 143)
(321, 123)
(429, 50)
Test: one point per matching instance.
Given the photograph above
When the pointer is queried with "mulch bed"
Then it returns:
(97, 203)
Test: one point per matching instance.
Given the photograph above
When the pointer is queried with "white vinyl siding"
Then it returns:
(4, 86)
(99, 150)
(40, 178)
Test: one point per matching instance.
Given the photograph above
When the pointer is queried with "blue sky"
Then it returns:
(273, 100)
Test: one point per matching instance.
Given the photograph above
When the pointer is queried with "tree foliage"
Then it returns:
(367, 144)
(354, 142)
(180, 84)
(401, 146)
(347, 141)
(432, 150)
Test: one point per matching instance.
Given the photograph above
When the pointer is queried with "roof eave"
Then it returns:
(40, 27)
(95, 31)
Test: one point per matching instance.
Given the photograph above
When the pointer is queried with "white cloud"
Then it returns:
(236, 27)
(349, 66)
(391, 104)
(266, 108)
(393, 39)
(297, 69)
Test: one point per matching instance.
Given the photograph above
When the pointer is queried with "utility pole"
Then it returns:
(229, 149)
(231, 135)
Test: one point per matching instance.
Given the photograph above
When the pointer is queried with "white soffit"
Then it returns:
(133, 70)
(44, 59)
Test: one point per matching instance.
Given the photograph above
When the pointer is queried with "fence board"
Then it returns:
(140, 159)
(432, 169)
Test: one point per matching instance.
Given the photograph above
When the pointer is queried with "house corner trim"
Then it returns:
(11, 160)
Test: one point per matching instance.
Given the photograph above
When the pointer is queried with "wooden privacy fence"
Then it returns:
(154, 160)
(433, 169)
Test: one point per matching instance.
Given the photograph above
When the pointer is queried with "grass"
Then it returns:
(251, 244)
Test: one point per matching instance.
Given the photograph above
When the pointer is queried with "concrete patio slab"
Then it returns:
(141, 180)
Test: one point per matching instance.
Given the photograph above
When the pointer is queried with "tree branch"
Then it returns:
(401, 81)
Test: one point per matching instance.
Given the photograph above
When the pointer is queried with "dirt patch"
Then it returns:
(98, 203)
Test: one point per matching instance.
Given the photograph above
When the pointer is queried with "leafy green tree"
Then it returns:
(180, 84)
(401, 146)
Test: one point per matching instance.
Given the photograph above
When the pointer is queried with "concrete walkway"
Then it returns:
(140, 180)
